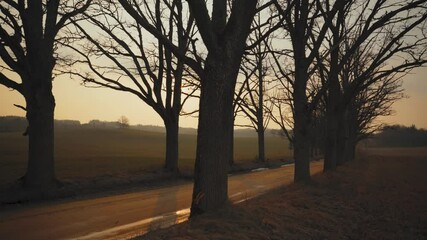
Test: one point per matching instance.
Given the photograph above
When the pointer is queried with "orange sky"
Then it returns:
(74, 101)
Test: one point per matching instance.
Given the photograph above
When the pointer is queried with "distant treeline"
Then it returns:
(16, 124)
(12, 124)
(399, 136)
(19, 124)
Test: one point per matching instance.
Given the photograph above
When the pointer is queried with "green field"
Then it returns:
(85, 153)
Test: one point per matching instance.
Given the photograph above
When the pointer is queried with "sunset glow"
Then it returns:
(76, 102)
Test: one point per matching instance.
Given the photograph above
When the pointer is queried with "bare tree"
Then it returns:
(123, 122)
(236, 110)
(28, 33)
(379, 32)
(282, 104)
(306, 34)
(369, 103)
(281, 110)
(224, 32)
(224, 37)
(362, 112)
(121, 57)
(255, 69)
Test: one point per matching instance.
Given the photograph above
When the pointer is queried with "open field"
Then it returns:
(397, 152)
(382, 195)
(85, 153)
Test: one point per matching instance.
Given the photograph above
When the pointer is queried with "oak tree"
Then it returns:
(115, 51)
(223, 31)
(383, 39)
(28, 34)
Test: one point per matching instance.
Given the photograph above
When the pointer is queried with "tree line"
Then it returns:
(398, 136)
(19, 124)
(322, 70)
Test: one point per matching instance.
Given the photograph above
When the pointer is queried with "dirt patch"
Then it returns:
(373, 198)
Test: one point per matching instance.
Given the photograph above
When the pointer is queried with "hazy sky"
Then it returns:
(76, 102)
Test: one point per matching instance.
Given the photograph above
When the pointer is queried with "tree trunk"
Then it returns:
(261, 145)
(331, 146)
(214, 139)
(352, 132)
(225, 41)
(301, 118)
(342, 141)
(301, 150)
(333, 116)
(260, 107)
(172, 130)
(40, 115)
(231, 158)
(351, 155)
(40, 107)
(333, 102)
(301, 135)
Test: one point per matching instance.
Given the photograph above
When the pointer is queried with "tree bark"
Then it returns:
(260, 107)
(342, 140)
(331, 146)
(172, 152)
(351, 150)
(231, 158)
(28, 33)
(37, 84)
(261, 144)
(301, 123)
(225, 41)
(214, 133)
(301, 147)
(333, 110)
(352, 132)
(40, 115)
(301, 111)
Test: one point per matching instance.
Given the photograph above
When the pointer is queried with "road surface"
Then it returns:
(131, 214)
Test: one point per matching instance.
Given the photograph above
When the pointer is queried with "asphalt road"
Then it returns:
(131, 214)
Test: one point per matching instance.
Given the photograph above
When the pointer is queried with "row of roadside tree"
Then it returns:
(321, 70)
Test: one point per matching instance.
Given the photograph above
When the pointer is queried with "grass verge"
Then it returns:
(376, 197)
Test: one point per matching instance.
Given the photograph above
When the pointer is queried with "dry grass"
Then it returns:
(376, 197)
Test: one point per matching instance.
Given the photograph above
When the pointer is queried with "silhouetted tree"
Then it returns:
(363, 110)
(318, 130)
(224, 34)
(306, 34)
(361, 113)
(132, 63)
(28, 32)
(281, 111)
(236, 110)
(282, 105)
(379, 33)
(255, 70)
(123, 122)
